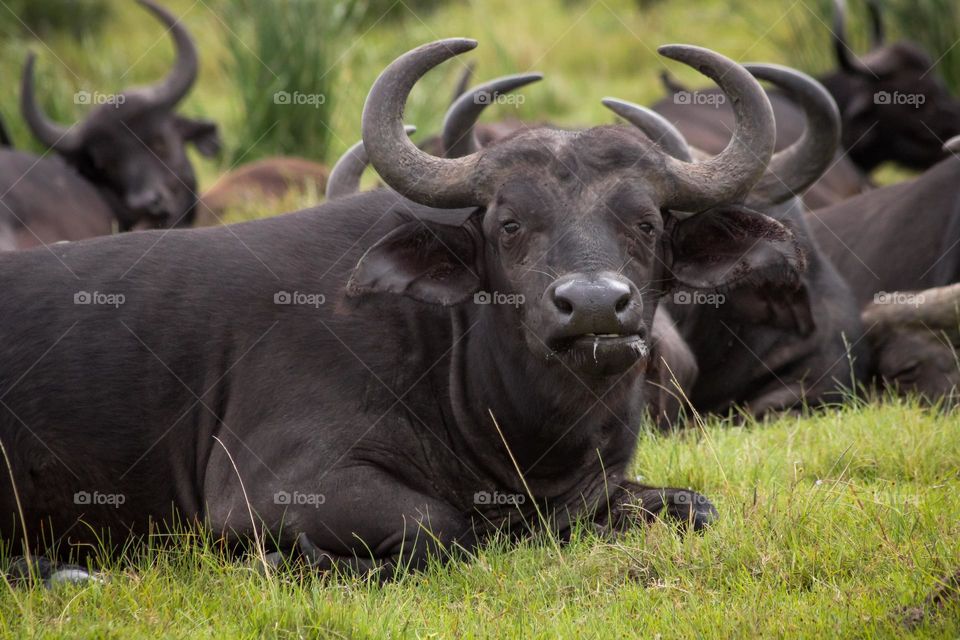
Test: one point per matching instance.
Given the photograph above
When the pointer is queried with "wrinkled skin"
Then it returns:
(381, 398)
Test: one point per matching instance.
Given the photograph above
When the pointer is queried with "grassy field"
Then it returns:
(830, 524)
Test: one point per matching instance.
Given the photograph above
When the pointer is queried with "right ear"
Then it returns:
(733, 246)
(427, 261)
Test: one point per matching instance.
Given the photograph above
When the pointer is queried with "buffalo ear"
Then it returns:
(202, 133)
(732, 247)
(426, 261)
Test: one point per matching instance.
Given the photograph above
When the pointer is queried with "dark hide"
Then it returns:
(361, 425)
(903, 237)
(34, 211)
(774, 348)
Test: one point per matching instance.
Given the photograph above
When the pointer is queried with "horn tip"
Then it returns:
(611, 102)
(952, 145)
(678, 51)
(458, 45)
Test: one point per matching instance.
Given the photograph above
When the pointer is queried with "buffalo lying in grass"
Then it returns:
(384, 377)
(893, 109)
(124, 165)
(762, 348)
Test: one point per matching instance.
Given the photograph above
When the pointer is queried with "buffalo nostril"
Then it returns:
(563, 305)
(622, 303)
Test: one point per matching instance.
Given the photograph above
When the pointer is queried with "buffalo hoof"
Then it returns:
(52, 574)
(690, 508)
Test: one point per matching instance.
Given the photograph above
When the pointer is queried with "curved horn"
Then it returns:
(877, 31)
(795, 168)
(457, 137)
(660, 130)
(730, 175)
(952, 145)
(345, 176)
(845, 56)
(59, 138)
(176, 85)
(937, 308)
(426, 179)
(463, 82)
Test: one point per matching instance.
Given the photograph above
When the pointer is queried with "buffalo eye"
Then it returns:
(646, 228)
(510, 227)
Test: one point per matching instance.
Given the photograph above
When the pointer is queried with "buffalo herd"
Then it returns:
(471, 347)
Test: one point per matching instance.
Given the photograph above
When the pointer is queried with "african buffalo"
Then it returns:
(893, 109)
(374, 381)
(902, 237)
(756, 347)
(126, 163)
(260, 183)
(915, 336)
(897, 241)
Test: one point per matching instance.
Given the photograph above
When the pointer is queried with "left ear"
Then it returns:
(731, 247)
(426, 261)
(202, 133)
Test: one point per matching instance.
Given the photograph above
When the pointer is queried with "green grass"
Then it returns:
(829, 525)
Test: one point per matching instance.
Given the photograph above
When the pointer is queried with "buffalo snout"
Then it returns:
(598, 318)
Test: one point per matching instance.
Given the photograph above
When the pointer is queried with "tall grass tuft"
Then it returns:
(935, 24)
(283, 56)
(46, 17)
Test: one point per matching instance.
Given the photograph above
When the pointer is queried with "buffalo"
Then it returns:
(913, 245)
(915, 336)
(263, 182)
(772, 349)
(124, 165)
(391, 375)
(893, 109)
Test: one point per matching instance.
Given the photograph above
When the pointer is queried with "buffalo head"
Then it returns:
(914, 336)
(133, 147)
(573, 236)
(894, 107)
